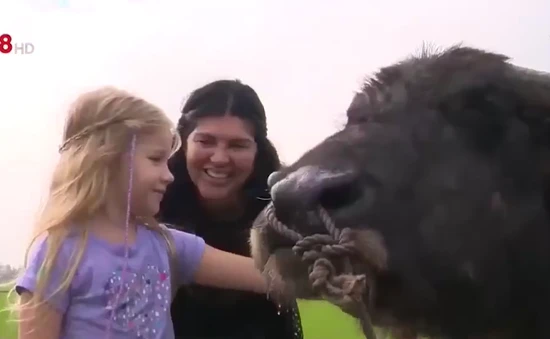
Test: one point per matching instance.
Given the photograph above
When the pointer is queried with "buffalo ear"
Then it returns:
(531, 86)
(532, 90)
(482, 105)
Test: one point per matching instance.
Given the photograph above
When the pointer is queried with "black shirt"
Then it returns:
(209, 313)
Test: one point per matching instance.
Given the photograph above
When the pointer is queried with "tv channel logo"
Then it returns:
(9, 46)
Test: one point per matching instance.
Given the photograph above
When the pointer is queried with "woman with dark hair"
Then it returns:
(220, 187)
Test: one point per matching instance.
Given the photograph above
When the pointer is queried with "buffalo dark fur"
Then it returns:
(446, 157)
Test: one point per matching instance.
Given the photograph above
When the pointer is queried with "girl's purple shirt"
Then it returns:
(143, 308)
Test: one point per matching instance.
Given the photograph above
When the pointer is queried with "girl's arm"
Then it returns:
(227, 270)
(43, 319)
(38, 322)
(206, 265)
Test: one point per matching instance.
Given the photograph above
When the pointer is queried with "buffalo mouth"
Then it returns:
(319, 266)
(273, 254)
(269, 237)
(285, 255)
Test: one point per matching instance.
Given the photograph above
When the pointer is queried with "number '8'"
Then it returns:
(5, 43)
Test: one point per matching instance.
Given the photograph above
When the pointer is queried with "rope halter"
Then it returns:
(320, 251)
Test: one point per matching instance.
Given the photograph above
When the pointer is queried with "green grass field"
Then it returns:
(8, 329)
(320, 320)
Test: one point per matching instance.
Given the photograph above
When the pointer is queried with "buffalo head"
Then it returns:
(440, 176)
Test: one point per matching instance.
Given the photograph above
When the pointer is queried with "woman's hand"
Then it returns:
(230, 271)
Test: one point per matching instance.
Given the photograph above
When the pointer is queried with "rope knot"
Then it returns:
(321, 252)
(345, 287)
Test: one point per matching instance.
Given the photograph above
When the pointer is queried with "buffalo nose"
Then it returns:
(274, 178)
(308, 186)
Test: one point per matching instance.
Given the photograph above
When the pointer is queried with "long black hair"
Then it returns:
(223, 97)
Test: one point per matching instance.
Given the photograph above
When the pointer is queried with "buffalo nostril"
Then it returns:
(305, 187)
(342, 195)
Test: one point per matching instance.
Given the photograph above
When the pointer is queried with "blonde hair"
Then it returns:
(98, 132)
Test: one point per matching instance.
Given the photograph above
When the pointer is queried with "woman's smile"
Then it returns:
(218, 178)
(219, 175)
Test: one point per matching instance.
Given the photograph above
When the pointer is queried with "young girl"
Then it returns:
(99, 264)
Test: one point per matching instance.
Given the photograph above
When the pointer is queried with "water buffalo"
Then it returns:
(440, 180)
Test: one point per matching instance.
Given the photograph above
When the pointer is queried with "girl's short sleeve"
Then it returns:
(189, 251)
(27, 281)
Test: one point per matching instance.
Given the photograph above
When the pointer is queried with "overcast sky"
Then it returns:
(305, 59)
